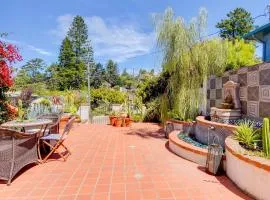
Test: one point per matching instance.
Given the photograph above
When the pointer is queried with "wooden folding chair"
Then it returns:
(59, 141)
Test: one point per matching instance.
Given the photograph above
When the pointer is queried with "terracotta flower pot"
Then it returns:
(128, 121)
(112, 120)
(118, 122)
(64, 120)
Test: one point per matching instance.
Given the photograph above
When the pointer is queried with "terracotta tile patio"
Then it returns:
(119, 163)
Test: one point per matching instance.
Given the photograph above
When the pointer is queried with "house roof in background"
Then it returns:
(258, 33)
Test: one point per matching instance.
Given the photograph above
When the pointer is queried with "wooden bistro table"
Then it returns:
(42, 125)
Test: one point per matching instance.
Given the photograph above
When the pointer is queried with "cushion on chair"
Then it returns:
(52, 137)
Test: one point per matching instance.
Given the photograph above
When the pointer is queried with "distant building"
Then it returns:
(262, 35)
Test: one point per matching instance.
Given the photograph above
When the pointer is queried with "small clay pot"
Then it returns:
(118, 122)
(128, 121)
(112, 120)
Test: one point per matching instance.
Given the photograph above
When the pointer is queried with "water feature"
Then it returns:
(230, 109)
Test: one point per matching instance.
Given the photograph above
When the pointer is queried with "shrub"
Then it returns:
(240, 54)
(107, 95)
(137, 117)
(247, 135)
(152, 113)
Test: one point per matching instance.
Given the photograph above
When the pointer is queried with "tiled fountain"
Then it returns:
(230, 110)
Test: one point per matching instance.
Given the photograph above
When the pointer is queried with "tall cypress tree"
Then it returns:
(112, 76)
(69, 72)
(78, 36)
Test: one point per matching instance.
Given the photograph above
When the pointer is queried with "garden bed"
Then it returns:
(250, 173)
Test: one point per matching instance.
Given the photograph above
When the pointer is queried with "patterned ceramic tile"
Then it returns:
(218, 83)
(264, 109)
(208, 84)
(244, 107)
(212, 103)
(234, 78)
(243, 93)
(219, 94)
(212, 84)
(242, 70)
(208, 106)
(253, 78)
(212, 94)
(253, 93)
(253, 108)
(225, 79)
(208, 94)
(242, 79)
(218, 102)
(264, 66)
(253, 68)
(264, 77)
(265, 93)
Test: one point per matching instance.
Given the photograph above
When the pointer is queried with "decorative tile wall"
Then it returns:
(254, 89)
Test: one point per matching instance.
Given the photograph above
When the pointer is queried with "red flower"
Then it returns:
(8, 55)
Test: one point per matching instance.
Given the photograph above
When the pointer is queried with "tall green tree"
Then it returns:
(84, 54)
(112, 75)
(78, 36)
(236, 25)
(127, 80)
(97, 75)
(71, 74)
(52, 78)
(32, 72)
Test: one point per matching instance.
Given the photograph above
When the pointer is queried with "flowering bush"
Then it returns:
(8, 55)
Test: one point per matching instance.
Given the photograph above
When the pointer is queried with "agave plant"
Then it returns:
(247, 135)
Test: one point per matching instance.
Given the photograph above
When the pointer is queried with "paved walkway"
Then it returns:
(116, 164)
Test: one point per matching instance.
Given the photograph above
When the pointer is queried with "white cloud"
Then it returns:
(118, 42)
(38, 50)
(29, 46)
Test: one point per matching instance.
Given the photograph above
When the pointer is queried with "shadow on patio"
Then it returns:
(147, 133)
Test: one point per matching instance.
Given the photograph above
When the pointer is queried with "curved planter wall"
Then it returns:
(250, 173)
(221, 131)
(186, 150)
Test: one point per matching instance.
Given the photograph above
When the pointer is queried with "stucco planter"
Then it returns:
(186, 150)
(250, 173)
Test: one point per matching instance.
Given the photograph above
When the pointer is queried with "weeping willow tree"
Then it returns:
(189, 59)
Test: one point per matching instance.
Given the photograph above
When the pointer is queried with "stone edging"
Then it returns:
(203, 121)
(234, 148)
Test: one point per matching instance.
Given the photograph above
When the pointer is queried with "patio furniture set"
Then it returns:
(21, 143)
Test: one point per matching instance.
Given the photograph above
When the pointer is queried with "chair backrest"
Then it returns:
(68, 127)
(55, 119)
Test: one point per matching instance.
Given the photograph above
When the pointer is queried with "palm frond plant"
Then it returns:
(247, 135)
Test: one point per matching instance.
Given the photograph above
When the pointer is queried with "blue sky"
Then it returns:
(119, 29)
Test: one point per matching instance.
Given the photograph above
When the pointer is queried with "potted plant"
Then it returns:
(113, 118)
(118, 121)
(128, 120)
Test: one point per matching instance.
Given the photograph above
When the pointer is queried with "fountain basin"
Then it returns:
(219, 131)
(225, 115)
